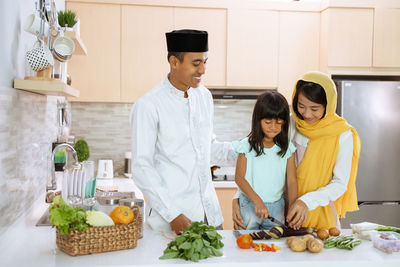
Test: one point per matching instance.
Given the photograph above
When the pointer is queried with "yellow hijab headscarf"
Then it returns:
(316, 168)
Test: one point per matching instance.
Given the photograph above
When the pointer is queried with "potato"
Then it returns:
(289, 240)
(307, 237)
(334, 231)
(322, 234)
(315, 245)
(298, 245)
(49, 197)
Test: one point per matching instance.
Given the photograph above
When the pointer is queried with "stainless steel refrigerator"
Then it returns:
(372, 106)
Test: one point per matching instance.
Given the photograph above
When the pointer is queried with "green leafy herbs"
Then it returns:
(82, 150)
(65, 217)
(342, 242)
(198, 241)
(66, 18)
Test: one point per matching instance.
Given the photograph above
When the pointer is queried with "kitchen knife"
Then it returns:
(236, 233)
(272, 219)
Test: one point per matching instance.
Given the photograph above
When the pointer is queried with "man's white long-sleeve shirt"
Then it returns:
(171, 145)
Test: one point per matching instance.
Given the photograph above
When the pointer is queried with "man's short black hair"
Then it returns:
(178, 55)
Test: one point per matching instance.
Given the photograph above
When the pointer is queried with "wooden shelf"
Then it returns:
(80, 48)
(46, 87)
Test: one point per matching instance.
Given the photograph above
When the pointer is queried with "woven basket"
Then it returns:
(101, 239)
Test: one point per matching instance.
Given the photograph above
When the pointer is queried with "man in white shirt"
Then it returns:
(172, 140)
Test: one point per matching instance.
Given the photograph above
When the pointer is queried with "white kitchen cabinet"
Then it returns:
(143, 48)
(298, 48)
(97, 74)
(346, 37)
(386, 38)
(252, 48)
(214, 22)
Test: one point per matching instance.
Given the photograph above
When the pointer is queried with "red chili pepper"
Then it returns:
(258, 247)
(275, 247)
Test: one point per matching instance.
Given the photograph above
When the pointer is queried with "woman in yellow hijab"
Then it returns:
(327, 154)
(328, 149)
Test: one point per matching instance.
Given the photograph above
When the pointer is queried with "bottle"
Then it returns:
(60, 157)
(128, 164)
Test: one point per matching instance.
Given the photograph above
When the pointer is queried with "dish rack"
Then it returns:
(101, 239)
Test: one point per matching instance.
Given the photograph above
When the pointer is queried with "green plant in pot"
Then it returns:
(67, 18)
(82, 150)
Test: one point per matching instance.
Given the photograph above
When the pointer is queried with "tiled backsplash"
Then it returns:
(232, 119)
(28, 126)
(106, 127)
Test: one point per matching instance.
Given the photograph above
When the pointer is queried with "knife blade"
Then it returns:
(272, 219)
(236, 233)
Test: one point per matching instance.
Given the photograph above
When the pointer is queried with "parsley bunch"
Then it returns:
(198, 241)
(65, 217)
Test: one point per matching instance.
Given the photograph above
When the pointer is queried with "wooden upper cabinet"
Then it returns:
(252, 49)
(143, 48)
(348, 34)
(214, 22)
(298, 48)
(386, 38)
(97, 74)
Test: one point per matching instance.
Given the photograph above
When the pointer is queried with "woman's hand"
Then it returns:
(236, 217)
(260, 209)
(297, 214)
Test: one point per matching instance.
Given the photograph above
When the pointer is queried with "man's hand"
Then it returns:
(297, 214)
(236, 217)
(179, 224)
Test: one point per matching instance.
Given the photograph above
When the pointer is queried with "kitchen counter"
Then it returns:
(127, 185)
(26, 245)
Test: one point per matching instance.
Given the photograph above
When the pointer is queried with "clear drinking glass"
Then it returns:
(89, 185)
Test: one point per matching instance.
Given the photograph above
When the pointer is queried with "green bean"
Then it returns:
(342, 242)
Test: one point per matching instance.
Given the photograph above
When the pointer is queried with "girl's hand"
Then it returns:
(260, 209)
(236, 217)
(297, 214)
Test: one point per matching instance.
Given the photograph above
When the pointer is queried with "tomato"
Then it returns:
(244, 241)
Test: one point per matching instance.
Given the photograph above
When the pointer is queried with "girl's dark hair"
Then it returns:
(312, 91)
(270, 105)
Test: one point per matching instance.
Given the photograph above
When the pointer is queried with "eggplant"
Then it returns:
(261, 235)
(302, 231)
(278, 232)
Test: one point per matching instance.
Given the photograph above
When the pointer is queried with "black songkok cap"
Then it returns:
(187, 41)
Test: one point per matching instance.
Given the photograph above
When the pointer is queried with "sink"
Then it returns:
(44, 220)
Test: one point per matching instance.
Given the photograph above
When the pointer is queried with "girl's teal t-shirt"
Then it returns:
(266, 173)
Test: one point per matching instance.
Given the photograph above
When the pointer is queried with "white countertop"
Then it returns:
(127, 185)
(24, 244)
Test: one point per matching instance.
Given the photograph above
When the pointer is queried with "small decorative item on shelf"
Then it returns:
(69, 20)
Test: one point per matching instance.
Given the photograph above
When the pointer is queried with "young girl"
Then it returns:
(266, 163)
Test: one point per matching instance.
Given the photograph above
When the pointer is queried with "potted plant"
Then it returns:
(82, 150)
(69, 20)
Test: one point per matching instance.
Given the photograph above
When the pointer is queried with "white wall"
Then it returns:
(28, 122)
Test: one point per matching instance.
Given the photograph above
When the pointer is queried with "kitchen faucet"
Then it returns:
(53, 185)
